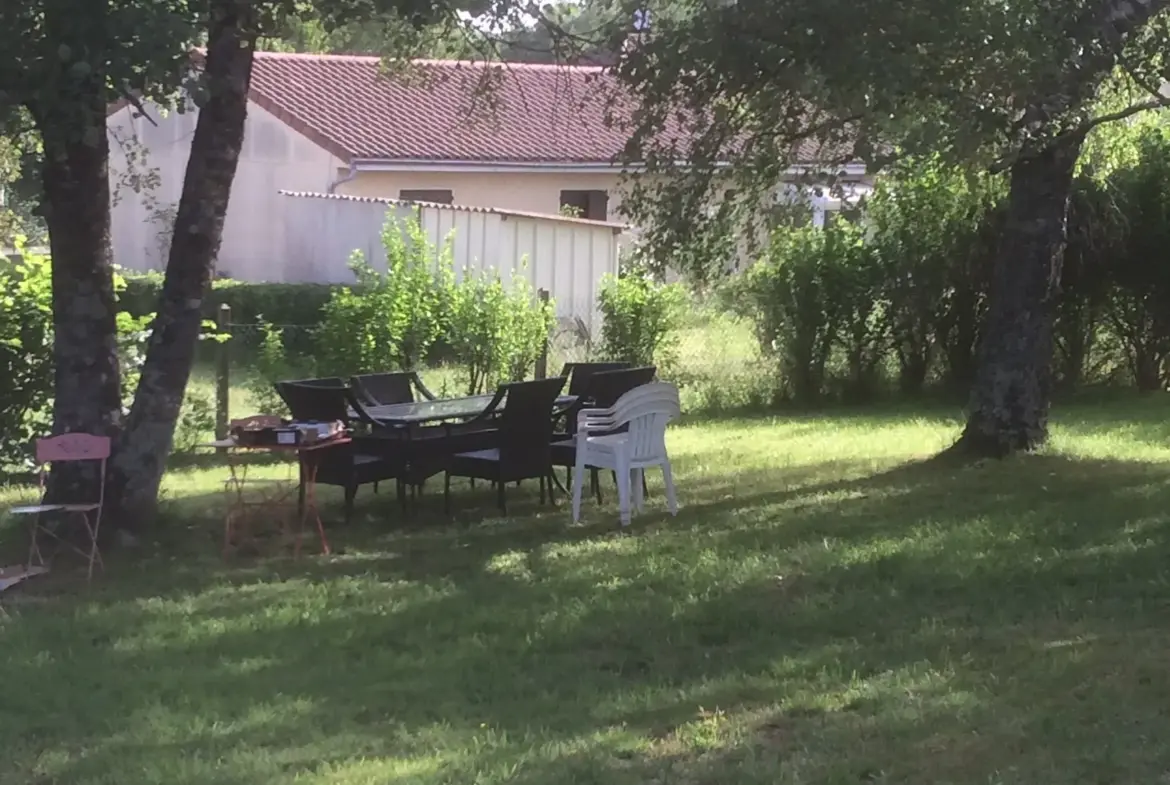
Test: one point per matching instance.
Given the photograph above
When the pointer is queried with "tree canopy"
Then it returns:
(758, 85)
(981, 81)
(577, 32)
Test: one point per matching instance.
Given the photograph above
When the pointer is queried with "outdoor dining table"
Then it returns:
(422, 412)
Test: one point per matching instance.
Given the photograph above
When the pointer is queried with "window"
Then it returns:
(426, 195)
(591, 205)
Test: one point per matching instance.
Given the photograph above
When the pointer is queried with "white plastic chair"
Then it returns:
(646, 410)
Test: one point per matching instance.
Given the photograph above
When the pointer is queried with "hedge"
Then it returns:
(282, 304)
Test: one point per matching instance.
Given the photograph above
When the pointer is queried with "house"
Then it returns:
(514, 137)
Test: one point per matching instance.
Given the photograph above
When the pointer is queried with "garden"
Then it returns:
(834, 603)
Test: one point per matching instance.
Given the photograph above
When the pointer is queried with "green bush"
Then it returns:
(133, 334)
(271, 366)
(395, 319)
(1085, 349)
(857, 286)
(932, 229)
(795, 306)
(1139, 306)
(389, 320)
(300, 304)
(496, 332)
(26, 351)
(196, 421)
(640, 318)
(26, 354)
(280, 303)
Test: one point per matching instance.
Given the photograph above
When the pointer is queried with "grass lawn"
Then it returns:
(823, 610)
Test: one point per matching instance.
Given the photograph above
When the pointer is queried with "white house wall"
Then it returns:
(274, 157)
(567, 258)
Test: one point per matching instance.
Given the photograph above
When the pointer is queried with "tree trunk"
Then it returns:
(1009, 403)
(87, 390)
(215, 150)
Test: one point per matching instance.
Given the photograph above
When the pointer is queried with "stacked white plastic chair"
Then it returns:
(646, 410)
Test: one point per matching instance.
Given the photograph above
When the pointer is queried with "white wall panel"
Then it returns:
(565, 257)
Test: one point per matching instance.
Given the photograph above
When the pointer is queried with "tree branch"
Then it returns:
(1137, 80)
(1113, 117)
(1006, 162)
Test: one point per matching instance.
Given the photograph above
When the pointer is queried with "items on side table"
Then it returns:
(265, 431)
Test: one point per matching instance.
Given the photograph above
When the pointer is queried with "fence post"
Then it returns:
(542, 358)
(223, 382)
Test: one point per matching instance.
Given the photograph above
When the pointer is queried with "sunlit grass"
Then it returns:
(826, 608)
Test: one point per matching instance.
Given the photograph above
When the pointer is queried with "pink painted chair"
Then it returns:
(67, 448)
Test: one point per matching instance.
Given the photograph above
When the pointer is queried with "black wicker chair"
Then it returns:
(384, 389)
(603, 390)
(522, 440)
(430, 448)
(579, 373)
(369, 458)
(324, 381)
(316, 401)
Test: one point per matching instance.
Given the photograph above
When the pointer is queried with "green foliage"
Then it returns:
(1085, 348)
(133, 333)
(532, 322)
(417, 285)
(279, 303)
(640, 317)
(26, 353)
(857, 286)
(837, 305)
(975, 82)
(496, 332)
(15, 219)
(26, 357)
(795, 307)
(932, 231)
(1139, 308)
(391, 319)
(196, 421)
(344, 338)
(271, 366)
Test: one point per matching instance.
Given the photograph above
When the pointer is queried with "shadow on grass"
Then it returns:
(929, 620)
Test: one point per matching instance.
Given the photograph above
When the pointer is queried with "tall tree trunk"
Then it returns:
(87, 390)
(1008, 409)
(215, 150)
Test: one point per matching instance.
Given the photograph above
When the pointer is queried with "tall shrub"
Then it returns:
(496, 331)
(1095, 240)
(640, 317)
(932, 228)
(1139, 309)
(963, 306)
(794, 308)
(856, 288)
(389, 319)
(271, 366)
(26, 353)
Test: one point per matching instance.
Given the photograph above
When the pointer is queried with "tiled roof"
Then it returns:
(442, 110)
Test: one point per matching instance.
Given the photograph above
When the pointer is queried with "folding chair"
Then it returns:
(69, 447)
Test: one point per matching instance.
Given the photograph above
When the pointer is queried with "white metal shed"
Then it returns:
(566, 256)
